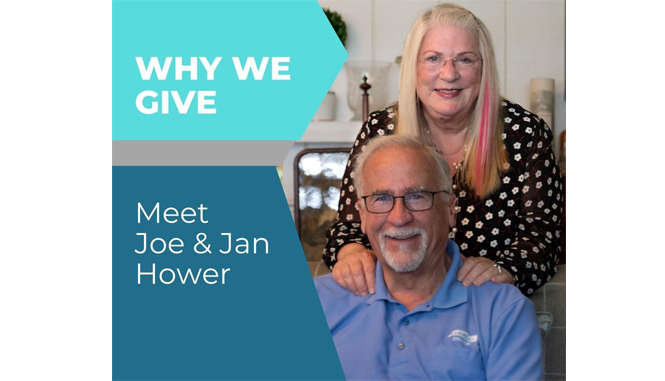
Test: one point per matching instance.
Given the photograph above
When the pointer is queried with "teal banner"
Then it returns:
(210, 281)
(220, 70)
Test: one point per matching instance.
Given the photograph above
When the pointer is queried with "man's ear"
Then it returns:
(450, 210)
(361, 211)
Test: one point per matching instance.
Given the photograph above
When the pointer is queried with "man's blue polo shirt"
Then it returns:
(486, 332)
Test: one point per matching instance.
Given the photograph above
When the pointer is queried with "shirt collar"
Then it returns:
(451, 292)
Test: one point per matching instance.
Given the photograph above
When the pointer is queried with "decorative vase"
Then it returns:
(377, 77)
(327, 109)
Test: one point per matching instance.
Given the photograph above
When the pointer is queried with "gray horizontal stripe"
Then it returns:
(199, 152)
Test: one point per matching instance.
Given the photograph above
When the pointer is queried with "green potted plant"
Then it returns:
(337, 23)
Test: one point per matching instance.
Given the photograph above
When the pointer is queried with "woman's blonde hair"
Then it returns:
(486, 157)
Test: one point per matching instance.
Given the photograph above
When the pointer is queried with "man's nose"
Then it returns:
(400, 215)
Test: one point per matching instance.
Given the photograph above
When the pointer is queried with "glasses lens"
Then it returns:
(379, 203)
(465, 61)
(418, 201)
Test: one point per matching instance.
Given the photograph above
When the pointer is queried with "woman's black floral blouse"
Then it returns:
(518, 226)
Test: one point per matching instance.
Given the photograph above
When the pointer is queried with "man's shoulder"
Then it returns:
(497, 296)
(332, 293)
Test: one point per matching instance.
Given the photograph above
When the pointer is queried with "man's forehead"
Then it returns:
(398, 170)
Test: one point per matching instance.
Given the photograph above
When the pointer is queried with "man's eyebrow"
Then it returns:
(381, 192)
(415, 189)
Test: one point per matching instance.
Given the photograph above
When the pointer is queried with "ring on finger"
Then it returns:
(498, 266)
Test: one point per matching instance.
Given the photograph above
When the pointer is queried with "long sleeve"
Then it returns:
(533, 254)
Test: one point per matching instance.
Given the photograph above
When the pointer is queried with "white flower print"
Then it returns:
(507, 120)
(510, 202)
(494, 243)
(540, 145)
(525, 189)
(517, 145)
(479, 225)
(507, 222)
(520, 226)
(481, 238)
(547, 163)
(495, 231)
(380, 132)
(503, 195)
(362, 136)
(356, 143)
(528, 130)
(516, 127)
(527, 119)
(489, 203)
(538, 173)
(351, 188)
(464, 246)
(528, 203)
(535, 249)
(489, 216)
(462, 193)
(470, 209)
(501, 213)
(506, 180)
(390, 127)
(506, 242)
(516, 190)
(374, 121)
(469, 234)
(346, 181)
(349, 217)
(511, 110)
(554, 206)
(518, 157)
(465, 221)
(348, 201)
(352, 175)
(503, 136)
(540, 204)
(547, 211)
(482, 252)
(520, 178)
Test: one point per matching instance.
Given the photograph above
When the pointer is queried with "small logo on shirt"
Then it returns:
(459, 335)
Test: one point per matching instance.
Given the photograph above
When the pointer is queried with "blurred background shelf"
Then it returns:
(332, 132)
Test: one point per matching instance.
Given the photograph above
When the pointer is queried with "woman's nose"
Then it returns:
(448, 71)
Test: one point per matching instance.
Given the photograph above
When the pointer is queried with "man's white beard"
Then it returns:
(404, 260)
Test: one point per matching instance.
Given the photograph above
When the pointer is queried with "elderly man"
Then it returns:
(421, 322)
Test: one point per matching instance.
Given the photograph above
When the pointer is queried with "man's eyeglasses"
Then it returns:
(414, 201)
(435, 62)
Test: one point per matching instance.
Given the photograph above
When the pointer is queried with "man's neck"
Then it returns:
(417, 287)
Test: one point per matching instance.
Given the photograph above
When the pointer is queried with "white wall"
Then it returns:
(529, 38)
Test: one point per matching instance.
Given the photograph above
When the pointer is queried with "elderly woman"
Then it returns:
(505, 176)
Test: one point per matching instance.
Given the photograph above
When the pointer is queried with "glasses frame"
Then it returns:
(403, 200)
(444, 60)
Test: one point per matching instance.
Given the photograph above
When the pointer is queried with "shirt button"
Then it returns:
(405, 322)
(400, 346)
